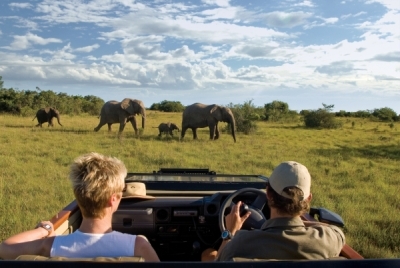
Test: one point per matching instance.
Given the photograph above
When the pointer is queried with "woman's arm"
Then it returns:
(33, 242)
(144, 249)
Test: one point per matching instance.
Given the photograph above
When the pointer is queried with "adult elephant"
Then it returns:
(167, 128)
(200, 115)
(46, 115)
(122, 112)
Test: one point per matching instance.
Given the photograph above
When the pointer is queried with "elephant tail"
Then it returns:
(34, 118)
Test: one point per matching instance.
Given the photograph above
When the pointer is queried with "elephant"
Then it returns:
(122, 112)
(200, 115)
(167, 128)
(46, 115)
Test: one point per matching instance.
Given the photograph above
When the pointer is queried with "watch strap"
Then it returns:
(47, 227)
(226, 234)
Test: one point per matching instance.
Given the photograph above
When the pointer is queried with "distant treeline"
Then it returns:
(27, 102)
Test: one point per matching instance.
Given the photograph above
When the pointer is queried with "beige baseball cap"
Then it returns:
(288, 174)
(135, 190)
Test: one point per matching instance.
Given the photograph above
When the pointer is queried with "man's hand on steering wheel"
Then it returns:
(233, 221)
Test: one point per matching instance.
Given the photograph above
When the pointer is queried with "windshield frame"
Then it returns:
(197, 182)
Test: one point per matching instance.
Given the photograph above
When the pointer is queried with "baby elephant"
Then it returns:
(167, 128)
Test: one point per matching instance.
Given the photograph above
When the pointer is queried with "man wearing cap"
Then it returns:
(284, 235)
(98, 182)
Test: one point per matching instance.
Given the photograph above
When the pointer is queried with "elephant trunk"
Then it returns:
(58, 120)
(233, 127)
(143, 113)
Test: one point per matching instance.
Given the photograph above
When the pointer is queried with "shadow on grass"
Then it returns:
(369, 152)
(17, 126)
(63, 130)
(291, 127)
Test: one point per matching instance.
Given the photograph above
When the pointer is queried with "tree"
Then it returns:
(1, 82)
(27, 102)
(275, 110)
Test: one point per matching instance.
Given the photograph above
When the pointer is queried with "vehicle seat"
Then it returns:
(96, 259)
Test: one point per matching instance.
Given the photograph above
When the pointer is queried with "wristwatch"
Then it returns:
(226, 235)
(47, 227)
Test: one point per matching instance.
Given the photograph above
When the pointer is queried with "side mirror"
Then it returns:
(327, 216)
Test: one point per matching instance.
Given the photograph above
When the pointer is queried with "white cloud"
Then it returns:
(387, 26)
(24, 42)
(220, 13)
(283, 19)
(359, 14)
(331, 20)
(305, 4)
(390, 4)
(20, 5)
(29, 24)
(87, 49)
(221, 3)
(215, 46)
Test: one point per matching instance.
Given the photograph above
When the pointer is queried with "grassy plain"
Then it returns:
(355, 169)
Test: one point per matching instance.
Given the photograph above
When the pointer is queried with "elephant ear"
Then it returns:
(216, 112)
(127, 105)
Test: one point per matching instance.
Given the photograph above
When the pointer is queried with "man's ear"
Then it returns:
(266, 192)
(309, 198)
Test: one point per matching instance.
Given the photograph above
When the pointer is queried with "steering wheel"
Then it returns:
(256, 218)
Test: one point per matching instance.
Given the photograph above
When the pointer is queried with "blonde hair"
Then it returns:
(95, 178)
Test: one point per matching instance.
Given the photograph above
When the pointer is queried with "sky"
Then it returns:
(304, 53)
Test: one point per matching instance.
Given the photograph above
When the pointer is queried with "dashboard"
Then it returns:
(180, 227)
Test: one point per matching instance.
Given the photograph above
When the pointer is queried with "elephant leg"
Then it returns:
(99, 126)
(216, 132)
(183, 132)
(109, 127)
(194, 130)
(121, 128)
(212, 132)
(134, 125)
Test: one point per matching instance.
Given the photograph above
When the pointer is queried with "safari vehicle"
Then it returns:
(186, 216)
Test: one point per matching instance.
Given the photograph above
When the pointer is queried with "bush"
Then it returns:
(245, 116)
(321, 118)
(385, 114)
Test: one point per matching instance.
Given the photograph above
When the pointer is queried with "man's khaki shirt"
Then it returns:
(285, 238)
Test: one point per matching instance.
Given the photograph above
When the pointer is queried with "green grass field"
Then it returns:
(355, 169)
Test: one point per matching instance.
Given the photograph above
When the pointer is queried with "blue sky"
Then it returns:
(305, 53)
